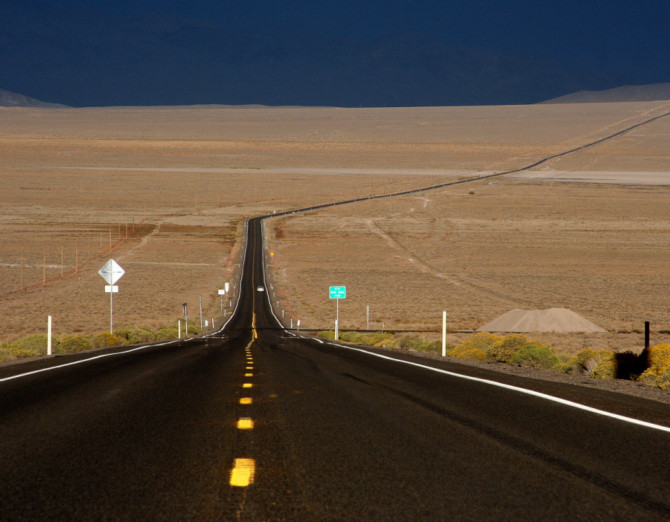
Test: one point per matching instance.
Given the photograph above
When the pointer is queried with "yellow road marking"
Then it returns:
(242, 474)
(249, 367)
(254, 333)
(245, 423)
(247, 385)
(245, 400)
(248, 374)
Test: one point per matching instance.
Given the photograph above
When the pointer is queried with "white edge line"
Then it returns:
(526, 391)
(541, 395)
(80, 361)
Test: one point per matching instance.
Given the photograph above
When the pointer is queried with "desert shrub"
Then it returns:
(414, 342)
(30, 346)
(134, 335)
(475, 354)
(505, 348)
(535, 355)
(658, 372)
(586, 361)
(74, 343)
(482, 341)
(606, 367)
(329, 335)
(167, 333)
(389, 342)
(351, 337)
(106, 339)
(375, 338)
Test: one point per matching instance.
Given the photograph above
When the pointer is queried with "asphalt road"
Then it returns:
(259, 424)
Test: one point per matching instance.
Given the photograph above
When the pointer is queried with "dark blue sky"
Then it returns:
(341, 52)
(557, 28)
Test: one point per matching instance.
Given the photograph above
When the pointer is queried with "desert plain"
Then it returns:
(169, 188)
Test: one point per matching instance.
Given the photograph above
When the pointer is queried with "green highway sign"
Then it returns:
(338, 292)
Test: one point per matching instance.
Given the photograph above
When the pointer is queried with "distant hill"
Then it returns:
(12, 99)
(625, 93)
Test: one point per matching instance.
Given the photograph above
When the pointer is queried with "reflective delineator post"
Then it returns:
(444, 333)
(49, 335)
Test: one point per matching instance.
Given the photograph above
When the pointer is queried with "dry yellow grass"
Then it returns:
(68, 176)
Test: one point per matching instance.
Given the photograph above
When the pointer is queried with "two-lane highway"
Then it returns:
(259, 424)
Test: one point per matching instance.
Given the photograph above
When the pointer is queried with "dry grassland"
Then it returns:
(69, 176)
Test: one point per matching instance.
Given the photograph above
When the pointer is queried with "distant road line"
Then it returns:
(468, 180)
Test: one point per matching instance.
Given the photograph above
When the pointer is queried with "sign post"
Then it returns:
(337, 293)
(111, 273)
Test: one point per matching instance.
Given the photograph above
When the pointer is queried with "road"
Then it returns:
(325, 433)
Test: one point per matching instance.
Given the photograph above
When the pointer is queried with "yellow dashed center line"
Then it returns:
(245, 423)
(242, 474)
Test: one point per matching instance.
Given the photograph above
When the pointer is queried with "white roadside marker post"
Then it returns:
(222, 292)
(444, 333)
(179, 328)
(200, 313)
(49, 335)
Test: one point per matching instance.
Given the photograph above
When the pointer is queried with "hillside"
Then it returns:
(12, 99)
(625, 93)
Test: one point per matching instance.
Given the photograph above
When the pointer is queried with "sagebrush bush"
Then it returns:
(658, 372)
(504, 349)
(329, 335)
(106, 339)
(411, 341)
(481, 342)
(30, 346)
(74, 343)
(374, 338)
(389, 342)
(167, 333)
(475, 354)
(135, 335)
(535, 355)
(607, 365)
(351, 337)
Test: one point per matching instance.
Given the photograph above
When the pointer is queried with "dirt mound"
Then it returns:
(551, 320)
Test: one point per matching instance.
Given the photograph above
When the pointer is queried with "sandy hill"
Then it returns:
(625, 93)
(551, 320)
(12, 99)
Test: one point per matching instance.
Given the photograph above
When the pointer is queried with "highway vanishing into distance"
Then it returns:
(259, 423)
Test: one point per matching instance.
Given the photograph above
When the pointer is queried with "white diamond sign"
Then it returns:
(111, 272)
